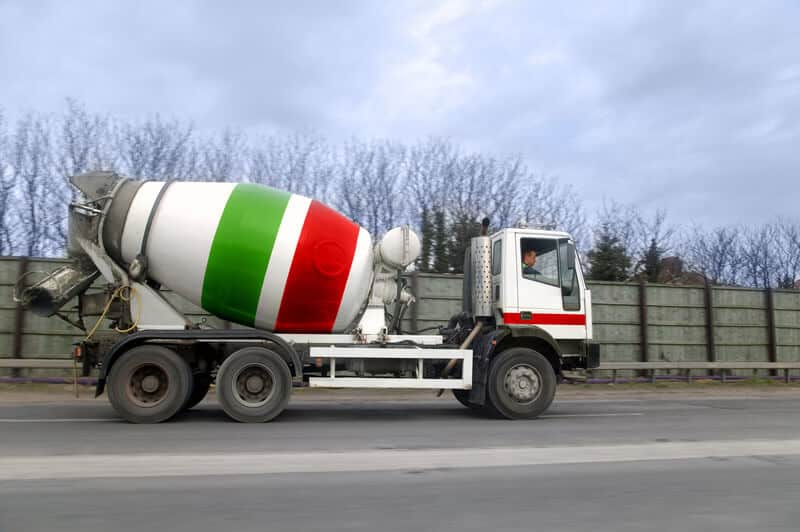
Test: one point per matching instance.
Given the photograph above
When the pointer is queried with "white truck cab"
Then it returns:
(551, 294)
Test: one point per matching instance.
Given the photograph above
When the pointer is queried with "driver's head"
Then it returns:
(529, 257)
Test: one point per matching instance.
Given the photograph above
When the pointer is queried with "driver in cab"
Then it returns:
(528, 261)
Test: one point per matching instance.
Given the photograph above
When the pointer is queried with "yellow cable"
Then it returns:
(118, 293)
(131, 292)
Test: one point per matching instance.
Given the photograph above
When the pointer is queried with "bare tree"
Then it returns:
(716, 253)
(479, 186)
(758, 259)
(80, 146)
(786, 253)
(31, 162)
(302, 163)
(6, 191)
(153, 149)
(548, 202)
(222, 157)
(378, 183)
(430, 166)
(369, 178)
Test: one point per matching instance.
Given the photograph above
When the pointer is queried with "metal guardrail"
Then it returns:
(35, 363)
(687, 367)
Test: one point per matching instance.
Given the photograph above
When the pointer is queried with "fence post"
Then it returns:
(19, 319)
(711, 351)
(772, 333)
(644, 346)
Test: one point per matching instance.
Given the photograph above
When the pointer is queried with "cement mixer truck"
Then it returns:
(311, 301)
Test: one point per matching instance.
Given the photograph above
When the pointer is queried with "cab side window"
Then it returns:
(539, 260)
(497, 257)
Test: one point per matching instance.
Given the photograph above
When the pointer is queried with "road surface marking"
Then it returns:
(60, 420)
(362, 460)
(610, 414)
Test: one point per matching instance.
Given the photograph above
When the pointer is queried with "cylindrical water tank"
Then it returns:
(247, 253)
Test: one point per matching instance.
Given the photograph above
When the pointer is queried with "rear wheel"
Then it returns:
(521, 384)
(254, 385)
(201, 382)
(463, 397)
(149, 384)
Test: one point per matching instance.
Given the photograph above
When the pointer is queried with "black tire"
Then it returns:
(271, 385)
(149, 384)
(201, 382)
(521, 384)
(463, 397)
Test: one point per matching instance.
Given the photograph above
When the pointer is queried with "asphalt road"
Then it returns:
(617, 465)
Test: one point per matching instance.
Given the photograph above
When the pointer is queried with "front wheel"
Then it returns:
(521, 384)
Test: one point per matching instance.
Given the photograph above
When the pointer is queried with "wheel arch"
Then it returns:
(534, 338)
(489, 345)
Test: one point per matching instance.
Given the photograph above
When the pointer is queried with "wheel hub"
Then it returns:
(148, 385)
(254, 385)
(523, 383)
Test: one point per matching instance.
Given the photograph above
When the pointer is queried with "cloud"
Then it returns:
(694, 107)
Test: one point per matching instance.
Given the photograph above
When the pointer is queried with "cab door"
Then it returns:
(539, 290)
(550, 290)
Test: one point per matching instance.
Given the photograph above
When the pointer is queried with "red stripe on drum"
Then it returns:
(534, 318)
(319, 271)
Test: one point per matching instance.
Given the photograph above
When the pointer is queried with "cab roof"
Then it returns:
(533, 232)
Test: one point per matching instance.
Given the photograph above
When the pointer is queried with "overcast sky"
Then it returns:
(693, 106)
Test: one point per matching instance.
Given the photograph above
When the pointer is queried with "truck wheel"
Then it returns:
(149, 384)
(463, 397)
(254, 385)
(521, 384)
(201, 382)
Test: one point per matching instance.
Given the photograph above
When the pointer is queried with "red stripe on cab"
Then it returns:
(319, 271)
(514, 318)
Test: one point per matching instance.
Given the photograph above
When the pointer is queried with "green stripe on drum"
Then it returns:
(241, 251)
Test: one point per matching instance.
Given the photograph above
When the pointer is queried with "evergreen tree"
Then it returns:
(461, 233)
(652, 262)
(608, 260)
(427, 237)
(440, 242)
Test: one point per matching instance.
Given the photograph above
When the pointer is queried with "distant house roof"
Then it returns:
(672, 272)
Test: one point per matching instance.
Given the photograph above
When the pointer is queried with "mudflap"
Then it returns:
(483, 348)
